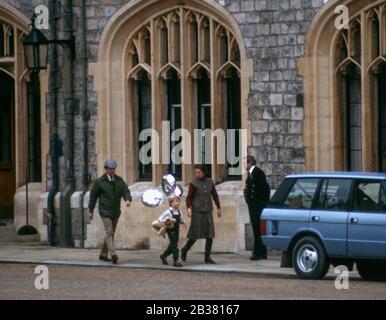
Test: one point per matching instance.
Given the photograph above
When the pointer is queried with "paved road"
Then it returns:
(17, 282)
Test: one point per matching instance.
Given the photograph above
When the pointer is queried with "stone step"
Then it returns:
(8, 234)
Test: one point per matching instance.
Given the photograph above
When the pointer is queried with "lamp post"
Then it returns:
(36, 47)
(36, 54)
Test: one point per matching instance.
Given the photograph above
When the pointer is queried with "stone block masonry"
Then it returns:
(274, 35)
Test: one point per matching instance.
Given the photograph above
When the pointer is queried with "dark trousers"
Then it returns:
(173, 245)
(208, 246)
(255, 211)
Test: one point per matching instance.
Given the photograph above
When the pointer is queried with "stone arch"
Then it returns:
(13, 16)
(112, 131)
(322, 124)
(14, 65)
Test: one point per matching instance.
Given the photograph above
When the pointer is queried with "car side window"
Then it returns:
(281, 193)
(334, 195)
(301, 194)
(369, 197)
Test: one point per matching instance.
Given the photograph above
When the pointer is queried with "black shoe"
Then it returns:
(256, 257)
(177, 264)
(163, 259)
(183, 255)
(209, 260)
(114, 258)
(263, 255)
(104, 258)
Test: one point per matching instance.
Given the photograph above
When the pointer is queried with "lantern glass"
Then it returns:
(43, 56)
(29, 55)
(36, 50)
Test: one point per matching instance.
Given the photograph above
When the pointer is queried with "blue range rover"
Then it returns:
(335, 218)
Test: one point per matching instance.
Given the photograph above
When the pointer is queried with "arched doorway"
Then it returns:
(7, 145)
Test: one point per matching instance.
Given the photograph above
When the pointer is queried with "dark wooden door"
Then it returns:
(7, 143)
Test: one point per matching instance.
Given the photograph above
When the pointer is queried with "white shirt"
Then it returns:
(168, 214)
(111, 178)
(251, 170)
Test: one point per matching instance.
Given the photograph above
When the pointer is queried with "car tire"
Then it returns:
(309, 259)
(372, 270)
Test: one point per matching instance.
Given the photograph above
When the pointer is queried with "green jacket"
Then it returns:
(109, 194)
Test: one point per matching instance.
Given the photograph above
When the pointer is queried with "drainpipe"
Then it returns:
(69, 113)
(55, 144)
(85, 114)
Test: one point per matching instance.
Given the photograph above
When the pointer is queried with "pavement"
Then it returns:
(143, 259)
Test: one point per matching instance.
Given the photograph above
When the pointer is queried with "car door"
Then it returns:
(329, 216)
(366, 236)
(293, 213)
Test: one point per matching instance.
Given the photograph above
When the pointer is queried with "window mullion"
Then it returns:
(187, 113)
(156, 114)
(215, 113)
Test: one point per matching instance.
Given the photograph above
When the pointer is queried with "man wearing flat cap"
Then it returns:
(109, 188)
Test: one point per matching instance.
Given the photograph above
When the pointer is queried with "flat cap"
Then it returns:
(111, 164)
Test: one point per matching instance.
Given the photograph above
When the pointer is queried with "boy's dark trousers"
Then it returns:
(173, 235)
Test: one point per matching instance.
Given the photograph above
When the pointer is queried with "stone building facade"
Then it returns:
(266, 46)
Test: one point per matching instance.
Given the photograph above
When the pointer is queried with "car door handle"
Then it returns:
(354, 220)
(315, 219)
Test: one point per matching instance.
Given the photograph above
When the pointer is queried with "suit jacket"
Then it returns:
(257, 190)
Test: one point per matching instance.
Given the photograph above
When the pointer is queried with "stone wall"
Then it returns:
(274, 34)
(134, 230)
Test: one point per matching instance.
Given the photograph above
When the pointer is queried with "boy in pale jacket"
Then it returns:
(173, 233)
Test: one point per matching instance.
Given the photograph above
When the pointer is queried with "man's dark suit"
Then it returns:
(256, 194)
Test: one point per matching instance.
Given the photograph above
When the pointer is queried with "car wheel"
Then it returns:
(372, 270)
(309, 259)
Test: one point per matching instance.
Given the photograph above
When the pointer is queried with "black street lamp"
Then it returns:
(36, 48)
(36, 54)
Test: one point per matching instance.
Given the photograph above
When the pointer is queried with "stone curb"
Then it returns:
(211, 269)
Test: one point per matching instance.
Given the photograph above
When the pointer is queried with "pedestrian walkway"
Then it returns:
(143, 259)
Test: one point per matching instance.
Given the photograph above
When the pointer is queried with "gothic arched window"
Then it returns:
(184, 68)
(377, 74)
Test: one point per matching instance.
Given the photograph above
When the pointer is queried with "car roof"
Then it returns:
(337, 174)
